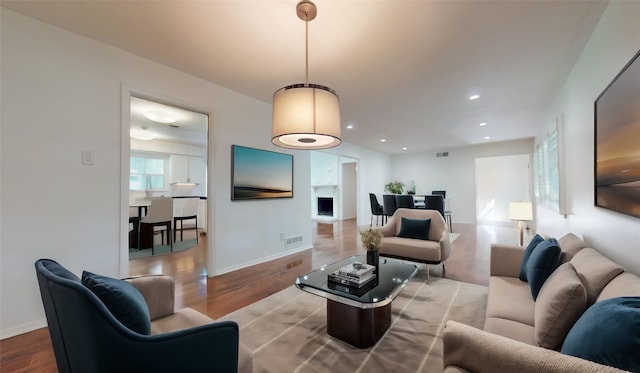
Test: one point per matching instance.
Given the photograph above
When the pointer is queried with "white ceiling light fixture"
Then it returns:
(160, 116)
(142, 134)
(474, 97)
(306, 116)
(483, 124)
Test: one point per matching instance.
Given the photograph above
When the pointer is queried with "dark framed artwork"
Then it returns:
(617, 142)
(260, 174)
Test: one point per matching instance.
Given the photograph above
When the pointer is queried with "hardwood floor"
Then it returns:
(217, 296)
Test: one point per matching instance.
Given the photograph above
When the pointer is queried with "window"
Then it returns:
(547, 183)
(147, 172)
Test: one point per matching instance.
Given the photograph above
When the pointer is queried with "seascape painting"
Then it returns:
(617, 142)
(258, 174)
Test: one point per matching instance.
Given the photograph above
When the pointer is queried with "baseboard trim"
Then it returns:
(24, 328)
(279, 255)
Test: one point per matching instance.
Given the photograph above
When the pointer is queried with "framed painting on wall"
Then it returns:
(617, 142)
(260, 174)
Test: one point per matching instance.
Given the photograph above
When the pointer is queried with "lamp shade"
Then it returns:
(520, 211)
(306, 116)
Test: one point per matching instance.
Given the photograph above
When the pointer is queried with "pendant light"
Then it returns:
(306, 116)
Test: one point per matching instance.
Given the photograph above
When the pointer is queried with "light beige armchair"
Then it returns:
(433, 250)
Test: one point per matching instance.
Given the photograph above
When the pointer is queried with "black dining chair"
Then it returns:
(405, 201)
(442, 193)
(389, 205)
(434, 202)
(376, 209)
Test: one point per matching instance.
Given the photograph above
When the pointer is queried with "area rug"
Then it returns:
(287, 331)
(453, 236)
(162, 249)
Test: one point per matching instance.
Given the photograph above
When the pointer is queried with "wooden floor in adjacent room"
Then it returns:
(217, 296)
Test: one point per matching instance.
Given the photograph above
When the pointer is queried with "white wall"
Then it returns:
(455, 173)
(500, 180)
(61, 94)
(613, 43)
(373, 173)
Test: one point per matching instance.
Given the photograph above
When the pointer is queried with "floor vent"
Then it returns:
(293, 240)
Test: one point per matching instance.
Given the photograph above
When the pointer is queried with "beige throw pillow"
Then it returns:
(595, 271)
(561, 301)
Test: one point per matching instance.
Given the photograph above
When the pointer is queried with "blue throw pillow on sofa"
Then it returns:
(124, 301)
(608, 333)
(415, 228)
(544, 259)
(527, 253)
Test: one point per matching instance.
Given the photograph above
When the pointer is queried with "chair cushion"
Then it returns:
(124, 301)
(608, 333)
(561, 301)
(543, 261)
(415, 228)
(527, 252)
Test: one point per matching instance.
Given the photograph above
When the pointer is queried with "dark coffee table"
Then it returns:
(359, 317)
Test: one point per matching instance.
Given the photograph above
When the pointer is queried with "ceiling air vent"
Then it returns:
(443, 154)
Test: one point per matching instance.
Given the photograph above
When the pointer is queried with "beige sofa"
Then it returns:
(522, 335)
(435, 250)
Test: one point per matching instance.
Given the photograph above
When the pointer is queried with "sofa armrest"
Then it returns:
(159, 293)
(474, 350)
(505, 260)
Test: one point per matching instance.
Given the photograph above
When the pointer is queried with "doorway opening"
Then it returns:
(166, 182)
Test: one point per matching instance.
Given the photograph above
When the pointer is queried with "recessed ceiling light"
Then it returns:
(483, 124)
(350, 126)
(487, 137)
(383, 140)
(474, 97)
(405, 148)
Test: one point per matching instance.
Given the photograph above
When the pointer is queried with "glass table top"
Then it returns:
(392, 275)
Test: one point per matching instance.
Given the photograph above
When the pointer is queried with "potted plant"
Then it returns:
(411, 189)
(395, 187)
(371, 242)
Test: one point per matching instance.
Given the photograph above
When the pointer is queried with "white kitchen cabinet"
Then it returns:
(187, 169)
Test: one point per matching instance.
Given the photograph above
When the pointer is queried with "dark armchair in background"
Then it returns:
(87, 337)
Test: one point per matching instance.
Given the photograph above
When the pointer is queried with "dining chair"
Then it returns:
(434, 202)
(389, 205)
(189, 212)
(405, 201)
(159, 218)
(447, 213)
(376, 209)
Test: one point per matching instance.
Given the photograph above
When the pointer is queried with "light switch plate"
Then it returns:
(88, 157)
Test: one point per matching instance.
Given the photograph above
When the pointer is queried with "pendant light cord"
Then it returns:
(306, 49)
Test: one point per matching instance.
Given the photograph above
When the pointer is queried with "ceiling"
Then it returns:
(151, 120)
(404, 70)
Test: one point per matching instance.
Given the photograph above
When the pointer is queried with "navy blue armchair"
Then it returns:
(87, 337)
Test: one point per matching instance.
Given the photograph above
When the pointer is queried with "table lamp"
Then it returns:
(520, 211)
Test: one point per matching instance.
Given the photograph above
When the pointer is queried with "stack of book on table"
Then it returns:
(355, 274)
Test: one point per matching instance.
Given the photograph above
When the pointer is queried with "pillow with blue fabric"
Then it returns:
(608, 333)
(125, 302)
(527, 253)
(544, 259)
(415, 228)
